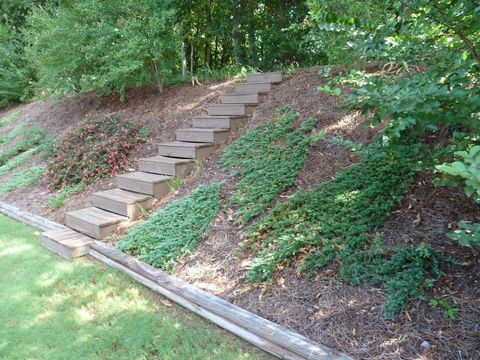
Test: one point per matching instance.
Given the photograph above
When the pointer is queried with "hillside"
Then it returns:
(322, 306)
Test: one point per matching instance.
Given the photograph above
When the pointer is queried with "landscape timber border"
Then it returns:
(262, 333)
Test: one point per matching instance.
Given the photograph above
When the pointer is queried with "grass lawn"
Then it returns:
(53, 309)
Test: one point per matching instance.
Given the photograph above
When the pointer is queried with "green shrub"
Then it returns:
(174, 231)
(102, 45)
(267, 160)
(467, 234)
(98, 148)
(15, 73)
(58, 201)
(465, 173)
(19, 160)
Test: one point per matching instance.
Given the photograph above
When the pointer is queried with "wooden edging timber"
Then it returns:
(262, 333)
(35, 221)
(254, 329)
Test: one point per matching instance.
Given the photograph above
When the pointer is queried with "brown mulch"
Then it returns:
(322, 308)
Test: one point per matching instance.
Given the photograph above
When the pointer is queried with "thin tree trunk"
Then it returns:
(208, 44)
(252, 47)
(184, 62)
(237, 33)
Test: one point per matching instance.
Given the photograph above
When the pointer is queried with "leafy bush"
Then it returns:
(101, 45)
(58, 201)
(98, 148)
(15, 73)
(466, 173)
(174, 231)
(267, 161)
(467, 235)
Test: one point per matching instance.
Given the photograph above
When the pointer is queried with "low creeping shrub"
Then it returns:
(267, 160)
(332, 221)
(23, 179)
(98, 148)
(175, 230)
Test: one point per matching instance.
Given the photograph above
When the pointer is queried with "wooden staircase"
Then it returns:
(137, 191)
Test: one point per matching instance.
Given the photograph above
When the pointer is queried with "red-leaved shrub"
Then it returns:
(98, 148)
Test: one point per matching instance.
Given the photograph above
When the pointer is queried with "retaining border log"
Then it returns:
(262, 333)
(27, 218)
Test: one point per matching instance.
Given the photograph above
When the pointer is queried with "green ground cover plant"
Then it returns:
(174, 231)
(267, 161)
(53, 309)
(58, 201)
(332, 222)
(18, 160)
(30, 137)
(23, 179)
(9, 136)
(9, 119)
(98, 148)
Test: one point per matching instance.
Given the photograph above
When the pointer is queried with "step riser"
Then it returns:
(92, 230)
(238, 110)
(232, 124)
(157, 190)
(252, 99)
(179, 170)
(186, 153)
(271, 78)
(132, 211)
(206, 137)
(252, 88)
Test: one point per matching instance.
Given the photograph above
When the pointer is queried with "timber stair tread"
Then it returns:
(187, 149)
(127, 197)
(235, 98)
(145, 177)
(274, 77)
(122, 202)
(258, 87)
(212, 135)
(96, 216)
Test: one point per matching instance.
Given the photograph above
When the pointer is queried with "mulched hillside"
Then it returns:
(323, 308)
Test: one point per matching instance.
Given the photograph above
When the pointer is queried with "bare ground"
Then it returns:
(324, 309)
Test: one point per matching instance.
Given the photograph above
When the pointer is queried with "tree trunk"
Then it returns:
(208, 44)
(252, 47)
(237, 33)
(184, 62)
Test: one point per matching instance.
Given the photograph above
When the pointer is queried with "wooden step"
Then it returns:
(248, 99)
(122, 202)
(186, 150)
(271, 77)
(253, 88)
(218, 122)
(230, 110)
(166, 166)
(94, 222)
(145, 183)
(66, 242)
(215, 136)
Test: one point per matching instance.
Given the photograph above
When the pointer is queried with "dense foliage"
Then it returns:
(98, 148)
(267, 161)
(175, 230)
(101, 45)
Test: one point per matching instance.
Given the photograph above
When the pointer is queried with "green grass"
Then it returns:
(267, 161)
(53, 309)
(174, 231)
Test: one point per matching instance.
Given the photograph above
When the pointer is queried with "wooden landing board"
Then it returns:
(66, 242)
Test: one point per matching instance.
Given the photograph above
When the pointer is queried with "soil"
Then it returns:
(324, 309)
